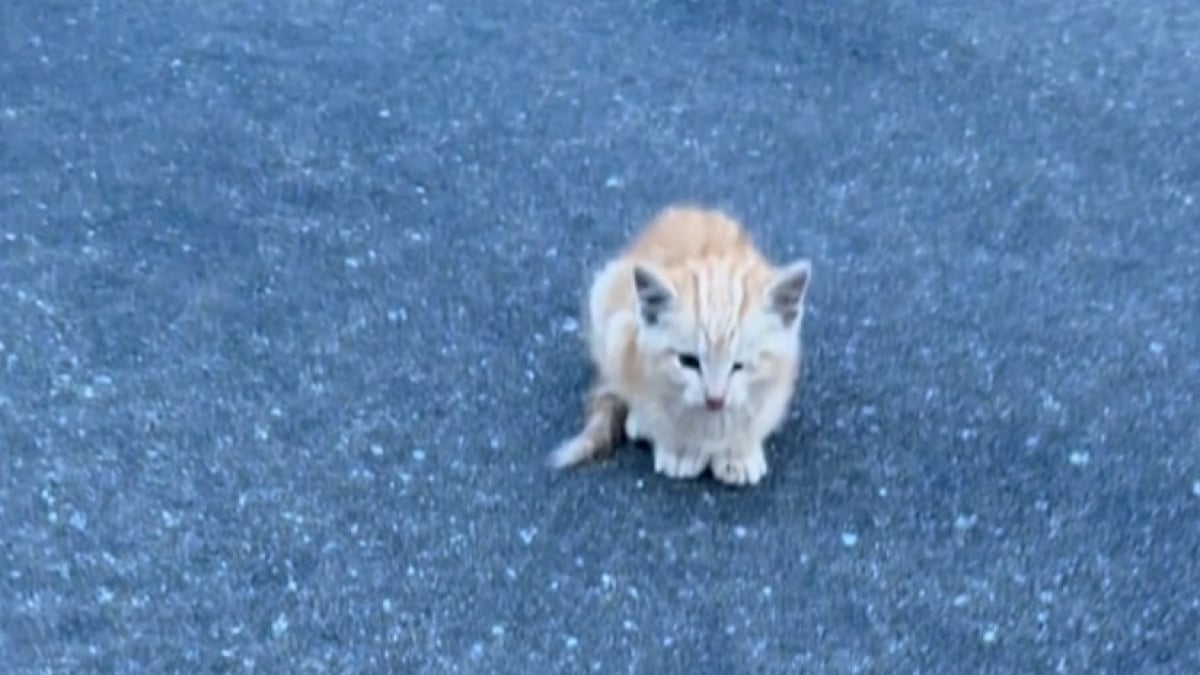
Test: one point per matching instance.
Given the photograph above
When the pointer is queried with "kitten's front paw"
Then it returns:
(675, 465)
(746, 468)
(632, 428)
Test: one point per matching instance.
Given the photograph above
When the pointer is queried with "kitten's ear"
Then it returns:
(786, 294)
(653, 292)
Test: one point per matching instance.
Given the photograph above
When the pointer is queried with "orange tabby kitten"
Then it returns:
(695, 338)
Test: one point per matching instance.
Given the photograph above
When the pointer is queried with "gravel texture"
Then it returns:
(288, 299)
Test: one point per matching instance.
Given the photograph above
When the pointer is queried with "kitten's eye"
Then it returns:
(689, 361)
(738, 365)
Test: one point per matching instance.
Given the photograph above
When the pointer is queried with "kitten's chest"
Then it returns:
(702, 428)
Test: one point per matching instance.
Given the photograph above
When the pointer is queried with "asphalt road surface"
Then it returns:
(287, 326)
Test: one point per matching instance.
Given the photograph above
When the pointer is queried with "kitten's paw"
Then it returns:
(744, 469)
(674, 465)
(632, 428)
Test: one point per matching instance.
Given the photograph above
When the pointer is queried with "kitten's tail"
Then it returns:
(604, 428)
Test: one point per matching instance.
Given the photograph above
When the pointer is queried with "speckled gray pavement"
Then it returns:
(288, 294)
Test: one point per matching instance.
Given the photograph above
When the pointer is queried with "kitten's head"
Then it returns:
(715, 333)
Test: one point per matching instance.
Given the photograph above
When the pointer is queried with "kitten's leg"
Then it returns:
(633, 429)
(741, 465)
(745, 462)
(677, 463)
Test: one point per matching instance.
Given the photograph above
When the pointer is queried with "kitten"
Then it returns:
(695, 339)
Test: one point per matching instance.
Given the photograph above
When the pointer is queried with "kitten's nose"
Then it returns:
(714, 403)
